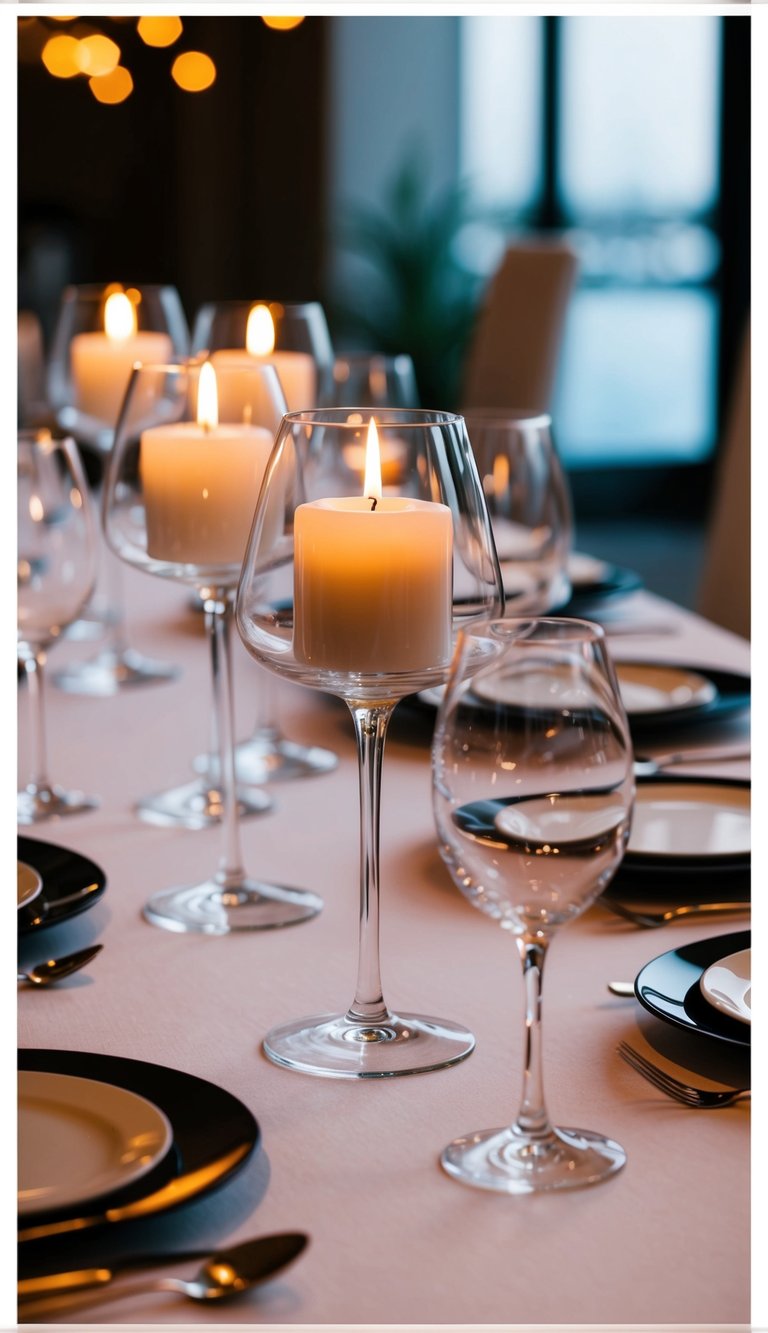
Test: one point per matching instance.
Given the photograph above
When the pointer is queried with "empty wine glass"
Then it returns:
(373, 381)
(529, 502)
(533, 793)
(101, 331)
(355, 588)
(180, 491)
(56, 563)
(294, 338)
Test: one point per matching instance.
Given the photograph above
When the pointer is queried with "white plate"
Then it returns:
(691, 819)
(645, 688)
(727, 985)
(79, 1139)
(29, 883)
(585, 569)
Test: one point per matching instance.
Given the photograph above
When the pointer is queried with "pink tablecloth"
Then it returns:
(394, 1240)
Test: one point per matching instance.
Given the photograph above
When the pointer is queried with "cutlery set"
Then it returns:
(223, 1275)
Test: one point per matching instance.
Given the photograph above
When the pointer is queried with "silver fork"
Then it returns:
(653, 919)
(674, 1088)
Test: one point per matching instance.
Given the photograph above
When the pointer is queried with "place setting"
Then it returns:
(107, 1143)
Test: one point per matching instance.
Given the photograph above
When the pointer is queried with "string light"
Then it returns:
(112, 88)
(60, 57)
(283, 22)
(193, 71)
(97, 55)
(159, 31)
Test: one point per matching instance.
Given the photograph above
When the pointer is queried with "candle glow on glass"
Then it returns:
(373, 579)
(102, 362)
(295, 370)
(200, 482)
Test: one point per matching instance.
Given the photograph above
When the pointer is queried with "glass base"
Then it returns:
(209, 909)
(334, 1046)
(508, 1161)
(36, 804)
(196, 805)
(109, 672)
(269, 757)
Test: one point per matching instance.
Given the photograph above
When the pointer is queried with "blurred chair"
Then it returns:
(33, 409)
(724, 590)
(513, 353)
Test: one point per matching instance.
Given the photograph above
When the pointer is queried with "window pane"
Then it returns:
(638, 377)
(500, 100)
(638, 115)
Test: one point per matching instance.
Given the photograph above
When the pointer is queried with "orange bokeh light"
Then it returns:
(110, 89)
(283, 22)
(98, 55)
(193, 71)
(60, 56)
(163, 31)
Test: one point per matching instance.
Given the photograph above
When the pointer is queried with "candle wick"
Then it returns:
(374, 502)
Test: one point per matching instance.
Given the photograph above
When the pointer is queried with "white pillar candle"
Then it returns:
(373, 583)
(295, 370)
(101, 363)
(200, 483)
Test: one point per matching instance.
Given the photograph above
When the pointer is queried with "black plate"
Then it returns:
(71, 883)
(648, 863)
(733, 695)
(213, 1136)
(615, 582)
(669, 987)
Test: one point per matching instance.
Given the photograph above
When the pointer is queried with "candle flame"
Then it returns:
(119, 316)
(207, 397)
(372, 485)
(260, 331)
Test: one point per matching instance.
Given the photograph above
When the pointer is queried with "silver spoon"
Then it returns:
(626, 989)
(223, 1275)
(647, 766)
(54, 969)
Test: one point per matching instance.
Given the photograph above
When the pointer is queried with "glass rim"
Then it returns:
(43, 435)
(491, 416)
(232, 302)
(99, 288)
(583, 630)
(400, 417)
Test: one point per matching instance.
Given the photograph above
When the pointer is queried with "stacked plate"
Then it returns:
(103, 1140)
(704, 987)
(690, 830)
(54, 884)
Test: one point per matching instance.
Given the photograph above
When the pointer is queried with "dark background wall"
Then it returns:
(219, 193)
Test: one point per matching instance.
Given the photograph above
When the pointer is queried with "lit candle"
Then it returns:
(373, 580)
(201, 482)
(393, 454)
(102, 362)
(295, 370)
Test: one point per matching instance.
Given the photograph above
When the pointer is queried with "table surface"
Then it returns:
(355, 1164)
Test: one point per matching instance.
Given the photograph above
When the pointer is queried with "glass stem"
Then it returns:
(218, 605)
(532, 1119)
(116, 640)
(33, 665)
(370, 731)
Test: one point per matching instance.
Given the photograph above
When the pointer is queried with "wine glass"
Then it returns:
(294, 337)
(355, 588)
(56, 564)
(180, 490)
(533, 791)
(529, 502)
(101, 331)
(373, 380)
